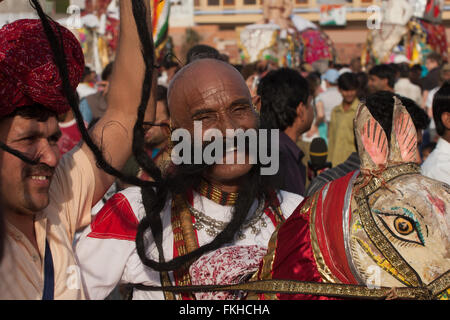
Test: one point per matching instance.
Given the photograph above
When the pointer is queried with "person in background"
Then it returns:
(340, 130)
(313, 79)
(70, 134)
(405, 87)
(363, 89)
(444, 76)
(157, 134)
(381, 78)
(286, 105)
(431, 80)
(427, 149)
(86, 86)
(169, 68)
(326, 101)
(93, 106)
(430, 134)
(437, 165)
(202, 51)
(250, 74)
(415, 75)
(355, 65)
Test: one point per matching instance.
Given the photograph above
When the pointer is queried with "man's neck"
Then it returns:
(446, 136)
(347, 105)
(292, 133)
(226, 186)
(24, 223)
(160, 145)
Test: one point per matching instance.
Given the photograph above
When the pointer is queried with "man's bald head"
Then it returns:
(213, 94)
(204, 81)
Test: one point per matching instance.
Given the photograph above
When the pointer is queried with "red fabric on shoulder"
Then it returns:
(294, 258)
(115, 220)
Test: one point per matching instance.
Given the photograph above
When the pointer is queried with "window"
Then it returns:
(213, 2)
(249, 2)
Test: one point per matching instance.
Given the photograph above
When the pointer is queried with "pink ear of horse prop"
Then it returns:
(383, 226)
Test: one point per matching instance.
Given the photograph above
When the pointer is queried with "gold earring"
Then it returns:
(254, 108)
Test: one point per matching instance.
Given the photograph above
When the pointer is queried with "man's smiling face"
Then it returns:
(24, 188)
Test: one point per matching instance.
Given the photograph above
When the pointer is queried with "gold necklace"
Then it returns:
(215, 194)
(214, 227)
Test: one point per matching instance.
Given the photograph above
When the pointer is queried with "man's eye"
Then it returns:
(53, 140)
(205, 117)
(28, 140)
(240, 108)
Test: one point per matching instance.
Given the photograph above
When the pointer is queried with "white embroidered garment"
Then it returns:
(106, 251)
(228, 265)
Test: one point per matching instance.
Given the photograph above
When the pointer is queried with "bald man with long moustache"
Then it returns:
(222, 215)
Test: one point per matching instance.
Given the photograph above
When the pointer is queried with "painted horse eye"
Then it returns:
(403, 226)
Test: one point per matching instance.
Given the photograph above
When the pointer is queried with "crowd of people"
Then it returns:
(73, 229)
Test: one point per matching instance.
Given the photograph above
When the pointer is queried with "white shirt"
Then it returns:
(429, 104)
(437, 165)
(107, 254)
(85, 90)
(330, 98)
(406, 88)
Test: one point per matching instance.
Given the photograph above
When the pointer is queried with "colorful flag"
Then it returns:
(160, 17)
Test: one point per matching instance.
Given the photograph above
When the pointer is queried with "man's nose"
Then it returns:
(49, 154)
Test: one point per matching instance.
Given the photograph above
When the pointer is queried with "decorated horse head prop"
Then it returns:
(385, 225)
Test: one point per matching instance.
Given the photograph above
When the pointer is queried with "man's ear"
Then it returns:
(166, 127)
(301, 110)
(256, 100)
(445, 118)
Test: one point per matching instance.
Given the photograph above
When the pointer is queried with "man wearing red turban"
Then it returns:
(28, 74)
(44, 202)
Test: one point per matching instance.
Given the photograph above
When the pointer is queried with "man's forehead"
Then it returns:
(208, 80)
(203, 71)
(20, 125)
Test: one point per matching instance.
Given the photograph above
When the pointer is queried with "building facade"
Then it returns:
(219, 22)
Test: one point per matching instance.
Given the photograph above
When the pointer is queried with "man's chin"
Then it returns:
(37, 204)
(228, 172)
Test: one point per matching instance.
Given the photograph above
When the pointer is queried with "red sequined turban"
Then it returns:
(28, 73)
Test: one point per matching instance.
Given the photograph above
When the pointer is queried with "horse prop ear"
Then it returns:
(403, 147)
(373, 146)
